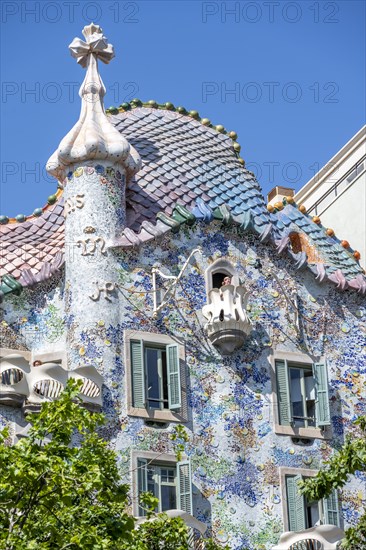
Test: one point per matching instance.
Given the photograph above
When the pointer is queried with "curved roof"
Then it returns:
(190, 171)
(182, 161)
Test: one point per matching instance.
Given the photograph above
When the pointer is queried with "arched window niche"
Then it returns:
(227, 321)
(220, 273)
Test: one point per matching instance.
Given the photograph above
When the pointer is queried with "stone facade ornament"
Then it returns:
(105, 289)
(72, 203)
(325, 537)
(227, 320)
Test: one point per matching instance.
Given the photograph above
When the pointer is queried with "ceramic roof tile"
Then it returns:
(333, 255)
(22, 244)
(181, 160)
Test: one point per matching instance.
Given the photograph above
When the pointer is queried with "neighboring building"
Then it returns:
(157, 274)
(337, 194)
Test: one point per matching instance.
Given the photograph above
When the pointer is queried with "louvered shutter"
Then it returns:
(173, 368)
(283, 393)
(138, 374)
(322, 411)
(141, 481)
(295, 504)
(184, 486)
(331, 509)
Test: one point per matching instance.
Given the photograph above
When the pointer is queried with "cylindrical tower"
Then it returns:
(93, 162)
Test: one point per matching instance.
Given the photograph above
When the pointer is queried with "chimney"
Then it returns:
(278, 193)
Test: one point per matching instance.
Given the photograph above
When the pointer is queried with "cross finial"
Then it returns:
(96, 43)
(93, 138)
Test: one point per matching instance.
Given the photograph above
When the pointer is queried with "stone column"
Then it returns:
(93, 162)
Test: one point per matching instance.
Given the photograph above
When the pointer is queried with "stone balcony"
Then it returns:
(227, 321)
(27, 385)
(321, 537)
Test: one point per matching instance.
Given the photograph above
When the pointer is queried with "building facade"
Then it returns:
(158, 276)
(337, 193)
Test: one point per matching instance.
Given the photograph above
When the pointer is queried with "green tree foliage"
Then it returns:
(60, 488)
(56, 494)
(348, 460)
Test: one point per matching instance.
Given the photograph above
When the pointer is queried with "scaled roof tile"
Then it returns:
(181, 160)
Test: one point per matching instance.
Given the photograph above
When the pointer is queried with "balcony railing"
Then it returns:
(343, 183)
(227, 320)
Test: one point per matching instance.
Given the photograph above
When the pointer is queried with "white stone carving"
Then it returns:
(91, 390)
(72, 203)
(46, 382)
(13, 378)
(227, 321)
(106, 289)
(93, 137)
(30, 386)
(327, 535)
(91, 246)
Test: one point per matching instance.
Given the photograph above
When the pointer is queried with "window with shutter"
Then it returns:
(302, 394)
(331, 509)
(283, 393)
(169, 482)
(173, 368)
(303, 514)
(141, 480)
(138, 374)
(295, 504)
(184, 486)
(322, 411)
(157, 377)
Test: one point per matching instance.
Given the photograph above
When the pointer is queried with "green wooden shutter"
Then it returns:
(138, 373)
(174, 393)
(184, 487)
(331, 509)
(322, 411)
(141, 481)
(283, 393)
(295, 504)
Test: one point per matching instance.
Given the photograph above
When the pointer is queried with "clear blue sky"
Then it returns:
(296, 71)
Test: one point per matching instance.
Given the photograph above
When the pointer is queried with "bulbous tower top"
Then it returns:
(93, 138)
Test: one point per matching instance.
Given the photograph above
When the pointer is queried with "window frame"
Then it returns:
(308, 473)
(156, 340)
(315, 432)
(161, 460)
(302, 367)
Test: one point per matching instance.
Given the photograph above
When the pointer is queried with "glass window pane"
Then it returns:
(167, 475)
(168, 497)
(165, 380)
(313, 515)
(296, 397)
(153, 381)
(310, 396)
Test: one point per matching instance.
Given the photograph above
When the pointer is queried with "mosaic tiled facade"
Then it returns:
(95, 296)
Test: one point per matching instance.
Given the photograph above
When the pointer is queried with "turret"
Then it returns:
(93, 162)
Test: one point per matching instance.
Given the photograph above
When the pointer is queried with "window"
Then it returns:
(157, 380)
(302, 394)
(155, 376)
(219, 274)
(303, 514)
(170, 482)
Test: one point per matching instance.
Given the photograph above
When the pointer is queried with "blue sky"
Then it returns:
(288, 77)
